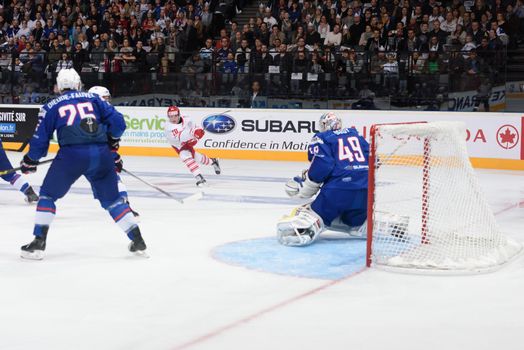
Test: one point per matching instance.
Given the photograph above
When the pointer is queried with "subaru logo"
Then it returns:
(219, 124)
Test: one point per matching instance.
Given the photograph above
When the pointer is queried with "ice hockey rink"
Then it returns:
(217, 279)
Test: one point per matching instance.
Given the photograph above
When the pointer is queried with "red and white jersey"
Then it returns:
(181, 134)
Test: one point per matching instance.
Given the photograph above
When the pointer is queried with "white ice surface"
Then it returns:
(89, 293)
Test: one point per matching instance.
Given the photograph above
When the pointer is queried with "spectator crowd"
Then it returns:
(393, 46)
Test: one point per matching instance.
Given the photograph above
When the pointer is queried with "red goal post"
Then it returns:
(371, 182)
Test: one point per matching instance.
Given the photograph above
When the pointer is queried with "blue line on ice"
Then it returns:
(181, 195)
(327, 258)
(281, 180)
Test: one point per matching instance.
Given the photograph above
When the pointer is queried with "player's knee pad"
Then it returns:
(45, 211)
(301, 228)
(122, 215)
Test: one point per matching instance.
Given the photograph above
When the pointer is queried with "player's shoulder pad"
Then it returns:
(317, 139)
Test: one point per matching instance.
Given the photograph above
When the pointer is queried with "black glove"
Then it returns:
(119, 163)
(28, 166)
(114, 144)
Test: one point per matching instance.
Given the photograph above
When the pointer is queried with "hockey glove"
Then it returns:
(309, 188)
(302, 186)
(293, 186)
(28, 166)
(114, 144)
(199, 133)
(119, 163)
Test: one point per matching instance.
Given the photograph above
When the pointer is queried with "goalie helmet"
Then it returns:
(101, 91)
(329, 121)
(68, 79)
(173, 114)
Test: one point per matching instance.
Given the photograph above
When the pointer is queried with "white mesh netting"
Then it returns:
(429, 212)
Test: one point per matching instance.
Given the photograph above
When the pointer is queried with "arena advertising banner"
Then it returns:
(274, 134)
(17, 124)
(465, 101)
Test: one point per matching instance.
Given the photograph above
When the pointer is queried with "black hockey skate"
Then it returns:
(35, 249)
(137, 245)
(30, 195)
(216, 165)
(200, 181)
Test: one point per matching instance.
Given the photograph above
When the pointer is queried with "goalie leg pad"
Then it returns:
(354, 231)
(390, 224)
(301, 228)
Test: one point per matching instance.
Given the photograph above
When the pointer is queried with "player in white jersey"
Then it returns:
(183, 134)
(105, 95)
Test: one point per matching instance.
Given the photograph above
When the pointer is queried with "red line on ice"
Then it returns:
(289, 301)
(513, 206)
(262, 312)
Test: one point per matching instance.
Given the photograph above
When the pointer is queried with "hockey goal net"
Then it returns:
(426, 210)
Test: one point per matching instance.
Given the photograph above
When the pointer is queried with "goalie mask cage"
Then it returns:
(426, 210)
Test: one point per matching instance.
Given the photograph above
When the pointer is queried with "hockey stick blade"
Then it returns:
(14, 170)
(181, 201)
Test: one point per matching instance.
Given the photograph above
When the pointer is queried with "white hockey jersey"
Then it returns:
(182, 135)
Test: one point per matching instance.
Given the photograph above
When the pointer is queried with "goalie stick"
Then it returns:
(14, 170)
(193, 197)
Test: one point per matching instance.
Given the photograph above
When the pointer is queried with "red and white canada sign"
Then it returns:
(507, 136)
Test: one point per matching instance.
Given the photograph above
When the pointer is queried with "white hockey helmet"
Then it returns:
(101, 91)
(330, 121)
(68, 79)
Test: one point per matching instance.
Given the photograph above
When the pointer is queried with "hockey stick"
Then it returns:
(14, 170)
(192, 197)
(21, 149)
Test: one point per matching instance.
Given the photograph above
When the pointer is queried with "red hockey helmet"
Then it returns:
(173, 113)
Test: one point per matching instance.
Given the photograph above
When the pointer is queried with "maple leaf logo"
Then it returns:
(508, 136)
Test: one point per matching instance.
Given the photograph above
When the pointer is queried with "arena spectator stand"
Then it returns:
(413, 53)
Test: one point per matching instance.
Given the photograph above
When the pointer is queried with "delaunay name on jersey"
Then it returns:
(78, 94)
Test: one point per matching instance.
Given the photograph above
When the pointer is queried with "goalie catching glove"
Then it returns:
(302, 186)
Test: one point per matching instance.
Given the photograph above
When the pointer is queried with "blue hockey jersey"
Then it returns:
(339, 159)
(80, 118)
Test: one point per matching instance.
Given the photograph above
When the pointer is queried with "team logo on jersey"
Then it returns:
(219, 124)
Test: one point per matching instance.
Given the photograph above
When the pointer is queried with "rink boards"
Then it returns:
(494, 140)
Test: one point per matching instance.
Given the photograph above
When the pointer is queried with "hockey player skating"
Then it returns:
(16, 180)
(183, 134)
(339, 170)
(105, 95)
(85, 124)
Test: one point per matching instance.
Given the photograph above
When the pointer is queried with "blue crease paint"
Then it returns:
(327, 258)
